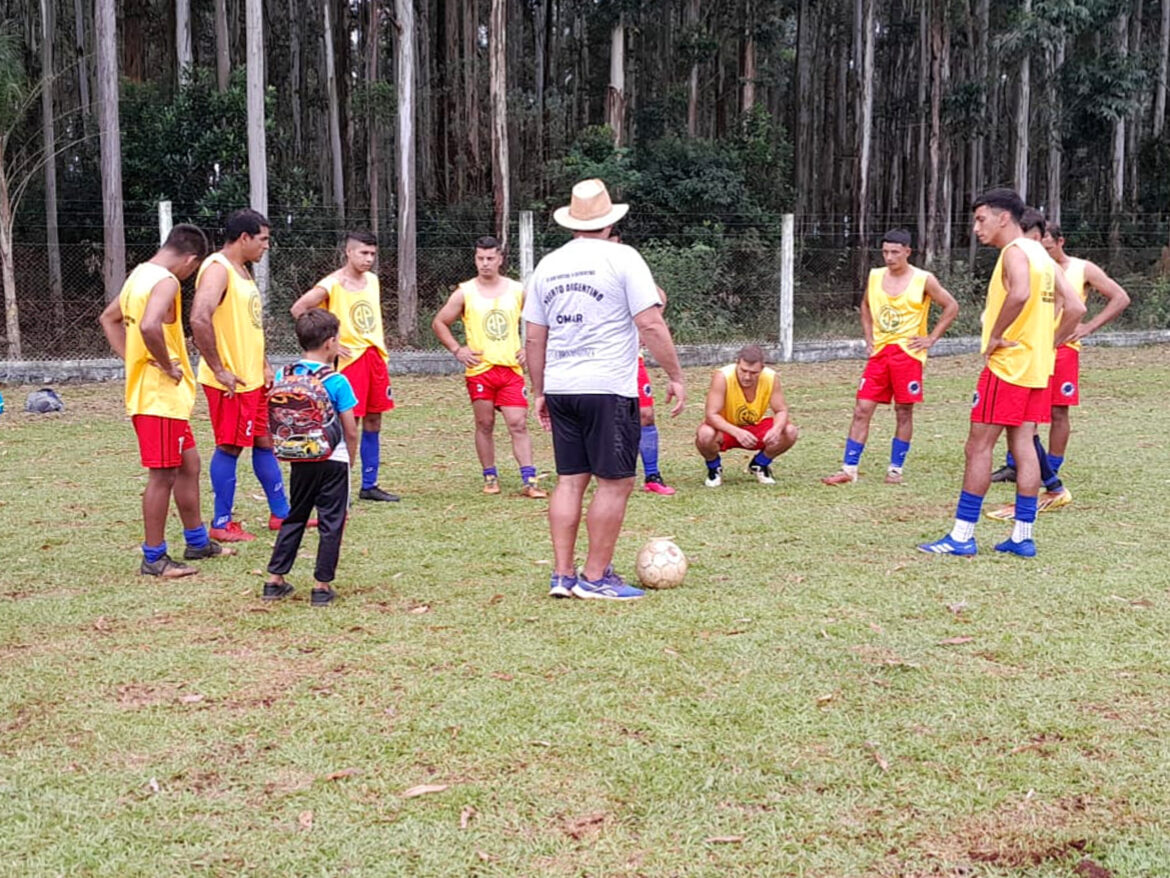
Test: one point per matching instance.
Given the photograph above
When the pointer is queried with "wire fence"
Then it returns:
(722, 281)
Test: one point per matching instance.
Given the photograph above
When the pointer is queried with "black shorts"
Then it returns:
(595, 433)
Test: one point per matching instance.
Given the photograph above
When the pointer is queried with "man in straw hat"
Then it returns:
(586, 304)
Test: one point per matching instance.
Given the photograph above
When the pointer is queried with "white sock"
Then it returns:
(850, 469)
(1022, 530)
(894, 469)
(963, 531)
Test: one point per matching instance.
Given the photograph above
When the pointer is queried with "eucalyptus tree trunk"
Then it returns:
(294, 55)
(7, 270)
(82, 56)
(184, 56)
(407, 219)
(334, 113)
(470, 84)
(1117, 164)
(497, 45)
(110, 135)
(979, 142)
(615, 96)
(257, 144)
(540, 35)
(1055, 58)
(934, 161)
(693, 79)
(923, 115)
(865, 139)
(1023, 119)
(52, 240)
(373, 152)
(805, 41)
(223, 51)
(749, 70)
(1163, 61)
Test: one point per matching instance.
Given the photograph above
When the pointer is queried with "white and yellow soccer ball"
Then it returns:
(661, 564)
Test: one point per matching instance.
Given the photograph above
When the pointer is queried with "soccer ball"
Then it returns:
(661, 564)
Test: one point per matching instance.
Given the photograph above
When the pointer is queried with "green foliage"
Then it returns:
(13, 81)
(696, 279)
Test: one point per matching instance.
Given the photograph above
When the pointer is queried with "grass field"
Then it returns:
(818, 699)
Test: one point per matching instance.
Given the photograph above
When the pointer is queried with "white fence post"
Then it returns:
(787, 260)
(165, 223)
(527, 253)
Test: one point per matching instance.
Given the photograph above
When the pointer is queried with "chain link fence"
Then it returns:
(722, 278)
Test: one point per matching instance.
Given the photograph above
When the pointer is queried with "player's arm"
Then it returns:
(779, 408)
(1116, 300)
(314, 298)
(451, 311)
(867, 325)
(1069, 308)
(950, 310)
(535, 348)
(113, 327)
(713, 412)
(208, 294)
(160, 305)
(521, 355)
(1017, 280)
(350, 431)
(656, 336)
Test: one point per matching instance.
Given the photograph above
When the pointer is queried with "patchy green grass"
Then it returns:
(817, 699)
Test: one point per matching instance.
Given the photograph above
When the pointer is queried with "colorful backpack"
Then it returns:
(301, 418)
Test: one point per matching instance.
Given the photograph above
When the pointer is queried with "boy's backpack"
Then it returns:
(43, 401)
(301, 418)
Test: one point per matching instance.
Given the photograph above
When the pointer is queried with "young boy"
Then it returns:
(323, 484)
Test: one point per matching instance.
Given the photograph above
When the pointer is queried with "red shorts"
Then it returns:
(370, 380)
(757, 430)
(238, 419)
(891, 373)
(645, 391)
(1008, 405)
(1065, 384)
(501, 385)
(162, 441)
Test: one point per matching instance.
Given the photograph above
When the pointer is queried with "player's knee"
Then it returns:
(372, 422)
(646, 414)
(164, 477)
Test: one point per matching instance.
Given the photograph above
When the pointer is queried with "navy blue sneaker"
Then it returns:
(610, 587)
(948, 546)
(561, 586)
(1024, 548)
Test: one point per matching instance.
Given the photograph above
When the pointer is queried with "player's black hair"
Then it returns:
(315, 327)
(1002, 199)
(751, 353)
(244, 222)
(187, 240)
(488, 242)
(1054, 230)
(897, 236)
(362, 236)
(1033, 219)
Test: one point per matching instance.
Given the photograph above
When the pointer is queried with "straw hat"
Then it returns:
(590, 209)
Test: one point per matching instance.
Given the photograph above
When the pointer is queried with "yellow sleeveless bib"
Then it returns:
(239, 329)
(148, 390)
(1075, 274)
(897, 319)
(360, 315)
(736, 408)
(1030, 362)
(492, 326)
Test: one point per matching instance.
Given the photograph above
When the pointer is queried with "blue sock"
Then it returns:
(1056, 462)
(648, 448)
(153, 553)
(527, 474)
(267, 470)
(1050, 479)
(371, 457)
(970, 505)
(716, 463)
(761, 459)
(1025, 508)
(899, 448)
(196, 537)
(489, 471)
(853, 452)
(1010, 460)
(222, 472)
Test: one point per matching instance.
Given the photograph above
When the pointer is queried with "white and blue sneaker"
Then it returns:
(561, 586)
(949, 546)
(1024, 548)
(610, 587)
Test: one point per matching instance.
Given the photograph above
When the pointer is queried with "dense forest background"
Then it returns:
(712, 118)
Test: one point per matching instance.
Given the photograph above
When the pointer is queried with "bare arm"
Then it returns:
(950, 310)
(112, 326)
(159, 306)
(350, 431)
(535, 347)
(1018, 282)
(452, 311)
(1068, 306)
(1116, 300)
(713, 412)
(208, 294)
(312, 299)
(656, 336)
(867, 325)
(779, 408)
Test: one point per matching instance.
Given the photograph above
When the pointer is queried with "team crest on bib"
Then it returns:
(915, 388)
(746, 416)
(889, 319)
(361, 315)
(1068, 389)
(495, 325)
(256, 310)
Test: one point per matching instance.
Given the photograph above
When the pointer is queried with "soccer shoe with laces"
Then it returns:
(166, 568)
(376, 493)
(491, 484)
(275, 523)
(1004, 474)
(561, 586)
(714, 477)
(949, 546)
(211, 550)
(610, 587)
(320, 597)
(230, 533)
(1006, 512)
(655, 485)
(839, 478)
(274, 591)
(763, 474)
(533, 491)
(1051, 500)
(1024, 548)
